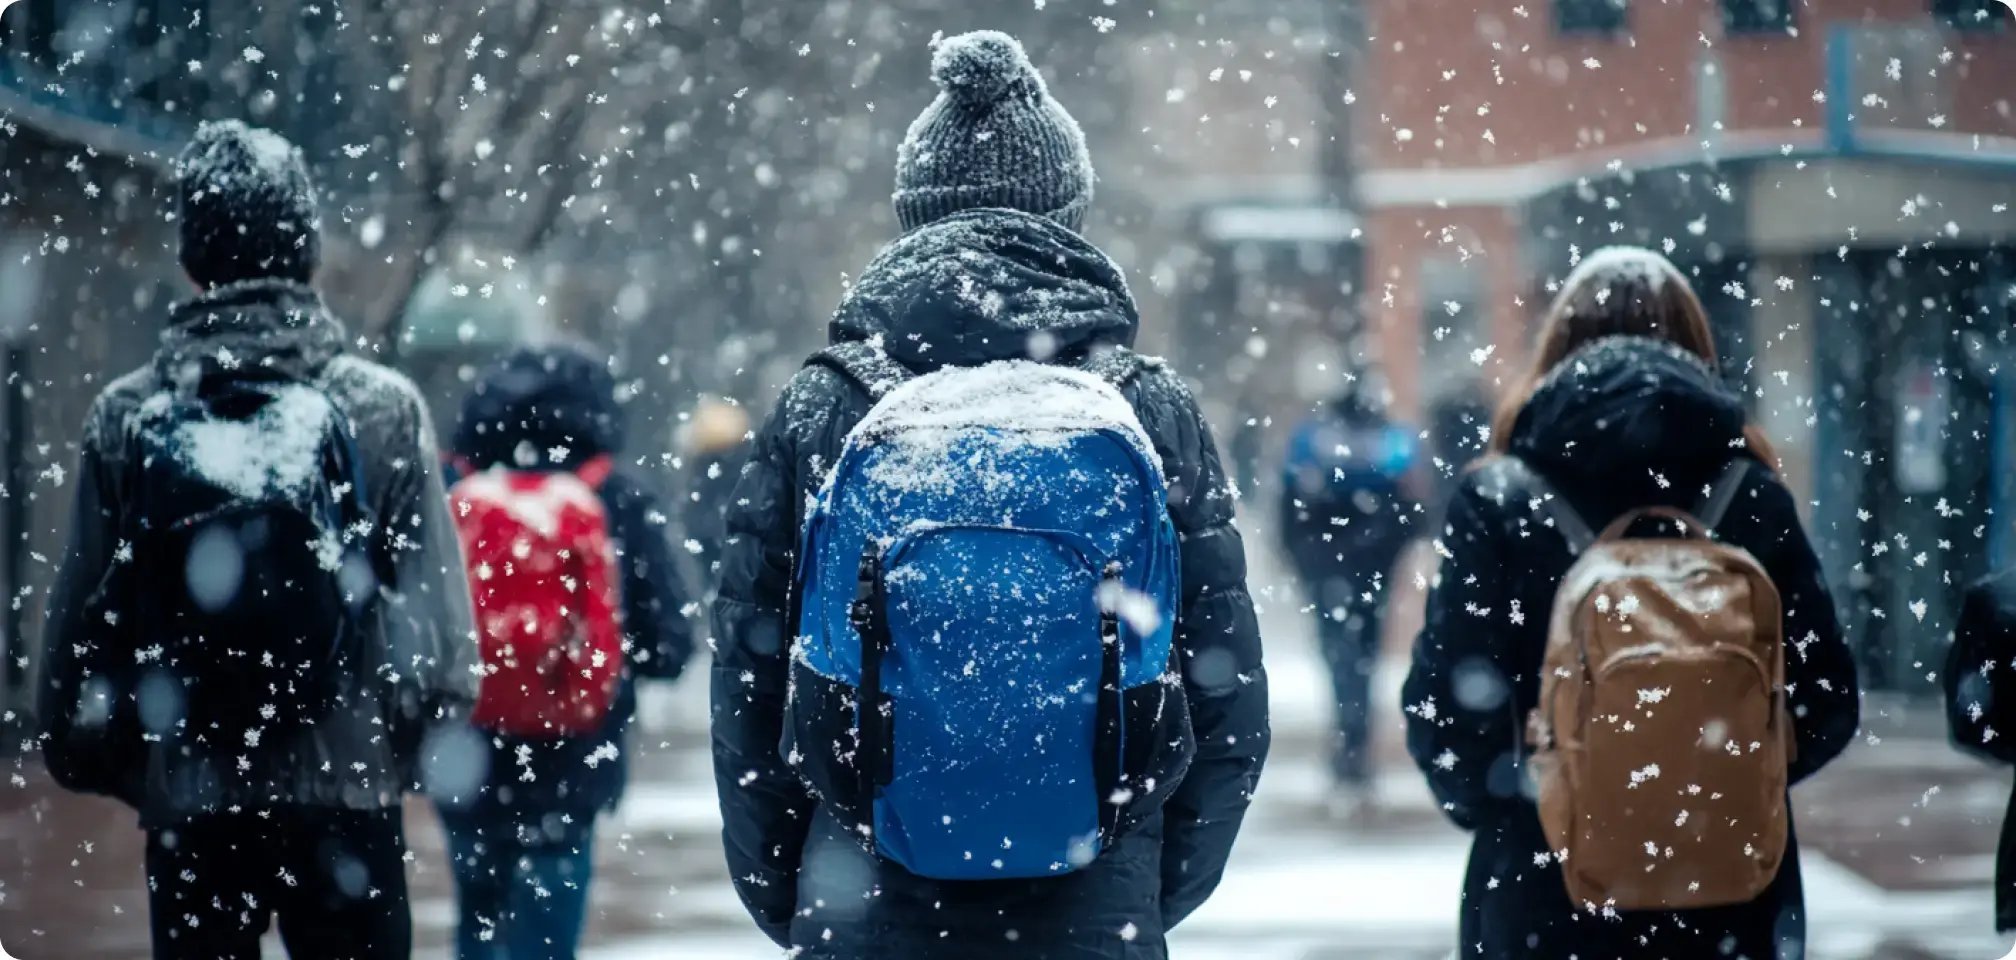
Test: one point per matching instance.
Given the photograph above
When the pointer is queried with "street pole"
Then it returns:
(14, 509)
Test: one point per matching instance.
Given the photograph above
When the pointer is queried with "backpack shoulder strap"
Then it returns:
(1554, 506)
(865, 364)
(1118, 366)
(595, 471)
(1715, 506)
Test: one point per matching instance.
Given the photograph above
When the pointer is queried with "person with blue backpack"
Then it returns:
(1346, 514)
(988, 679)
(261, 629)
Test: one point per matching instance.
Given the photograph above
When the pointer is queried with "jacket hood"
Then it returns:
(558, 403)
(1626, 403)
(276, 329)
(986, 285)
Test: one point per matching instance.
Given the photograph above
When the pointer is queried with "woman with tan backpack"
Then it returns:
(1629, 653)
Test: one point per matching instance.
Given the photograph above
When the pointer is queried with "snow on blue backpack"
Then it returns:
(983, 683)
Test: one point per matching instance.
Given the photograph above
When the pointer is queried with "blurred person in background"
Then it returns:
(716, 444)
(1622, 410)
(1980, 687)
(993, 183)
(1346, 513)
(261, 624)
(566, 545)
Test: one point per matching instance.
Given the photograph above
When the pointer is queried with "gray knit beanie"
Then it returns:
(992, 138)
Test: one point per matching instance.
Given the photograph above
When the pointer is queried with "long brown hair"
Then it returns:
(1618, 291)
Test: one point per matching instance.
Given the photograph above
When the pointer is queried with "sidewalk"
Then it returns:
(1899, 837)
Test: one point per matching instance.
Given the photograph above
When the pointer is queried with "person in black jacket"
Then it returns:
(1345, 516)
(1624, 410)
(275, 816)
(990, 270)
(1980, 709)
(521, 824)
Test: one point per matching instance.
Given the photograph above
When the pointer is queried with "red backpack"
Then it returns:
(540, 570)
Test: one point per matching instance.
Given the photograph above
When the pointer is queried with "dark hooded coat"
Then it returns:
(554, 408)
(1980, 684)
(1623, 423)
(972, 288)
(412, 674)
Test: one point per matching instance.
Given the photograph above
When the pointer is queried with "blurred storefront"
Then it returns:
(1836, 177)
(1283, 277)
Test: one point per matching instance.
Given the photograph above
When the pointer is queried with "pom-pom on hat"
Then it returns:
(992, 138)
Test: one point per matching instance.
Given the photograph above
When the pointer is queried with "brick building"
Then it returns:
(1837, 176)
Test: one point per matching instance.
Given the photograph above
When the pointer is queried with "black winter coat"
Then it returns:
(1623, 423)
(557, 407)
(413, 677)
(1980, 681)
(1343, 519)
(977, 287)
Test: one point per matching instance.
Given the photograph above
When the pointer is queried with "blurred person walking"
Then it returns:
(914, 852)
(1980, 686)
(577, 596)
(1345, 517)
(261, 621)
(716, 445)
(1663, 681)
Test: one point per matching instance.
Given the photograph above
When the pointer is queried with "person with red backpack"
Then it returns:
(577, 593)
(1629, 652)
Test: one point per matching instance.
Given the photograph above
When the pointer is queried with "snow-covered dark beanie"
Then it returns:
(247, 207)
(992, 138)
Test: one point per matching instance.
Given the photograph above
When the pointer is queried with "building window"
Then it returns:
(1973, 14)
(1590, 16)
(1757, 16)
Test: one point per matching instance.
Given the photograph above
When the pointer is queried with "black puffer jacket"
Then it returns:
(1980, 682)
(1623, 423)
(557, 407)
(1345, 518)
(416, 649)
(976, 287)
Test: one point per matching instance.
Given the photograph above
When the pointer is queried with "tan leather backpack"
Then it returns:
(1662, 737)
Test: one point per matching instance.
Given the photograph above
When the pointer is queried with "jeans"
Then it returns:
(1349, 633)
(337, 879)
(518, 896)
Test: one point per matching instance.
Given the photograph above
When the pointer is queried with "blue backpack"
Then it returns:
(984, 683)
